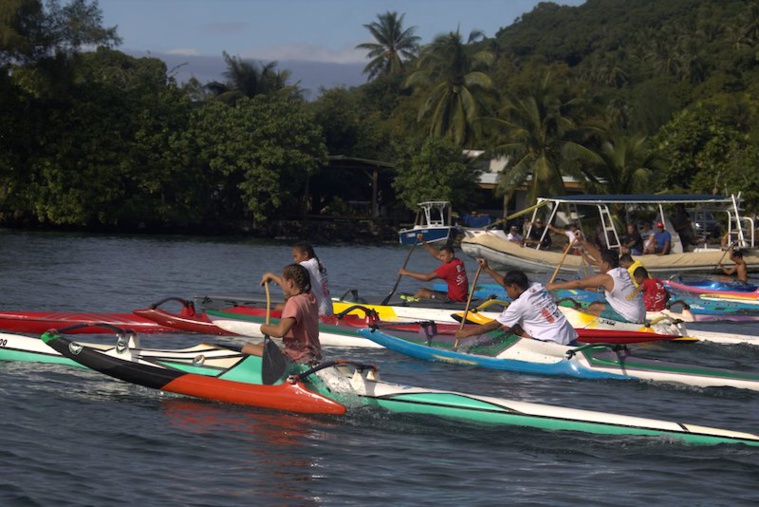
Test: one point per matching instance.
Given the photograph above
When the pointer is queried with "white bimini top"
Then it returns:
(539, 316)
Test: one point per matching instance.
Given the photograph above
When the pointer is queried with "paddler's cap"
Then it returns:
(538, 221)
(514, 228)
(660, 224)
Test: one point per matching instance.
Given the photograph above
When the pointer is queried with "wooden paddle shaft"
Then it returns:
(558, 266)
(268, 302)
(408, 256)
(468, 304)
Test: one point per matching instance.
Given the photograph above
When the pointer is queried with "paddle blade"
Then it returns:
(274, 362)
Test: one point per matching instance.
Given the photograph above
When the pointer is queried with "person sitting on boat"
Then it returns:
(663, 240)
(514, 235)
(630, 264)
(632, 242)
(649, 238)
(655, 295)
(536, 233)
(303, 253)
(299, 325)
(452, 271)
(571, 232)
(532, 312)
(740, 270)
(617, 285)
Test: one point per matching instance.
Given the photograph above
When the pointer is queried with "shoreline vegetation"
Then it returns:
(608, 97)
(334, 230)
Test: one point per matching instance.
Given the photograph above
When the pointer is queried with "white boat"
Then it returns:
(433, 222)
(502, 254)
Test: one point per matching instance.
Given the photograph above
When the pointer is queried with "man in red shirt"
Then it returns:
(452, 271)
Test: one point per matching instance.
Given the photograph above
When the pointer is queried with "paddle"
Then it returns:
(273, 361)
(729, 247)
(468, 303)
(408, 256)
(558, 266)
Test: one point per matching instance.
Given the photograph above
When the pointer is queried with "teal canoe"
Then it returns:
(336, 386)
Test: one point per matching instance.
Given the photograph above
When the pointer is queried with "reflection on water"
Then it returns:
(125, 445)
(275, 445)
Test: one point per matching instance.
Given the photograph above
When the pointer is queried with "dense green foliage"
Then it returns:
(620, 95)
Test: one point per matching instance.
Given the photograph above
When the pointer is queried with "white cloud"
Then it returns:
(184, 52)
(306, 52)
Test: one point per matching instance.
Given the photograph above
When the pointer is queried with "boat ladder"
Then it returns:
(610, 233)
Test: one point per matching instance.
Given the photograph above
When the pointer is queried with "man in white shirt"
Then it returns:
(514, 235)
(532, 312)
(621, 302)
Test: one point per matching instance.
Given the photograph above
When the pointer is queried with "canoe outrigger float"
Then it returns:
(334, 387)
(503, 351)
(502, 254)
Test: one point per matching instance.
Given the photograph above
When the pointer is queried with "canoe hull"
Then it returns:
(503, 254)
(39, 322)
(495, 351)
(209, 380)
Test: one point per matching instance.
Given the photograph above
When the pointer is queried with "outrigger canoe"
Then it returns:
(491, 308)
(504, 351)
(683, 306)
(342, 331)
(39, 322)
(707, 286)
(333, 386)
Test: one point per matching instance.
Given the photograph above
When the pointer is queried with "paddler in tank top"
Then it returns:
(452, 271)
(617, 285)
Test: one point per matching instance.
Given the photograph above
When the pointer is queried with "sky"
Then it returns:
(314, 39)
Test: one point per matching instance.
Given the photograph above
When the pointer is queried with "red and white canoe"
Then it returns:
(39, 322)
(244, 320)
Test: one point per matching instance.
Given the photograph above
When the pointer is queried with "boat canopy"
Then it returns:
(596, 199)
(740, 228)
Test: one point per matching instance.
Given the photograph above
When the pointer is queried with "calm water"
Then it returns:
(74, 437)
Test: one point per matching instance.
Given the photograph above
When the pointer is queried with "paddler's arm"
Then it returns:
(594, 256)
(634, 293)
(422, 277)
(600, 280)
(492, 272)
(477, 330)
(278, 330)
(431, 249)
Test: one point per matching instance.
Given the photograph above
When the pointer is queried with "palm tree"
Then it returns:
(246, 79)
(542, 143)
(393, 45)
(623, 165)
(455, 81)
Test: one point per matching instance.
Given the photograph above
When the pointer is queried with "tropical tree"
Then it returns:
(454, 78)
(623, 165)
(261, 152)
(436, 170)
(542, 142)
(248, 79)
(393, 45)
(31, 30)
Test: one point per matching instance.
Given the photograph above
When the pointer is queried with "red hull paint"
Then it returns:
(39, 322)
(197, 323)
(293, 397)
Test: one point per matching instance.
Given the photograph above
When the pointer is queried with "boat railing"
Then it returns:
(740, 229)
